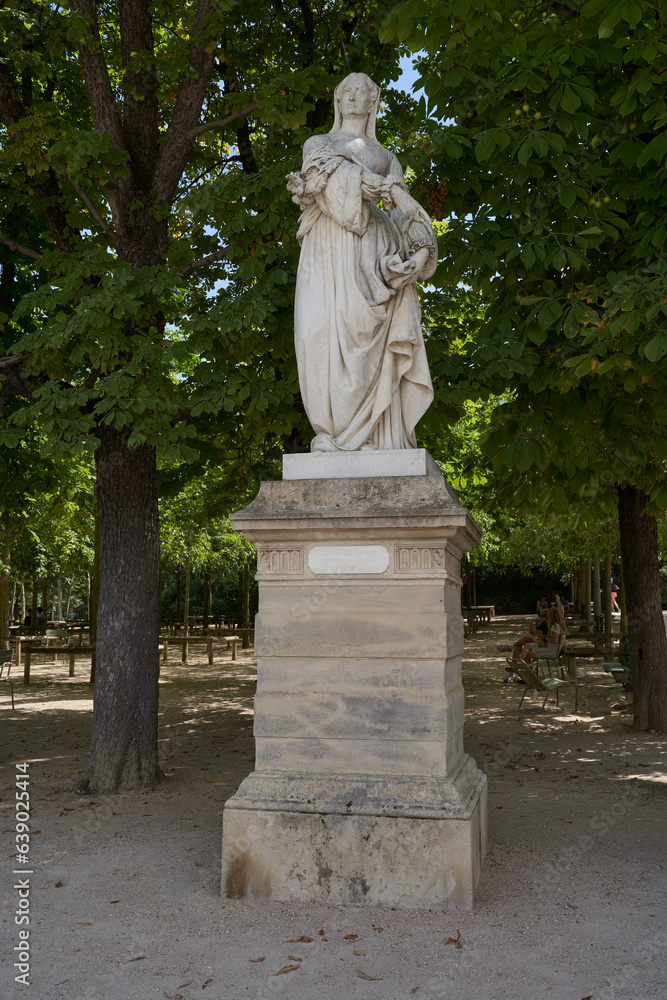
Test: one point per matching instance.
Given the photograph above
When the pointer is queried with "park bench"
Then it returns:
(486, 612)
(231, 642)
(71, 652)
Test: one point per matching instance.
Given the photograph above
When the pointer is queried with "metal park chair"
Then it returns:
(6, 657)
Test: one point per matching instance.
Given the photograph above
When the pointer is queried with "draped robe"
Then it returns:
(363, 371)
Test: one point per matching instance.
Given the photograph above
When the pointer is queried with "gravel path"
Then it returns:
(124, 896)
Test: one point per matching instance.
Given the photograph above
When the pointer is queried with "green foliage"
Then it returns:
(553, 154)
(199, 363)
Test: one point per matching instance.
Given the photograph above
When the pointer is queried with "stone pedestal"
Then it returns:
(361, 792)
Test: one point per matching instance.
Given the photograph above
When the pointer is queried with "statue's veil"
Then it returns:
(373, 113)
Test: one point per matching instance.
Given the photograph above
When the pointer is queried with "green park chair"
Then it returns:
(547, 684)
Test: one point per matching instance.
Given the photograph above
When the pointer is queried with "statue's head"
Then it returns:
(357, 96)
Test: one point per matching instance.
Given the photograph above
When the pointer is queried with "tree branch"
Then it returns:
(96, 77)
(221, 122)
(12, 359)
(99, 219)
(218, 255)
(19, 248)
(140, 106)
(177, 143)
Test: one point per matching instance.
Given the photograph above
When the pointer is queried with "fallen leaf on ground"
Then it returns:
(321, 933)
(85, 923)
(287, 968)
(294, 958)
(300, 940)
(172, 996)
(137, 959)
(360, 954)
(62, 982)
(362, 975)
(456, 940)
(257, 959)
(589, 997)
(182, 986)
(350, 937)
(414, 990)
(114, 901)
(58, 884)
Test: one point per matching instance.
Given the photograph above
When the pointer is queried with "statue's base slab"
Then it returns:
(359, 464)
(362, 792)
(359, 841)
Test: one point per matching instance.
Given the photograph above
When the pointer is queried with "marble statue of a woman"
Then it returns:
(362, 364)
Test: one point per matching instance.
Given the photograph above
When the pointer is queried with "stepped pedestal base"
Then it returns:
(362, 793)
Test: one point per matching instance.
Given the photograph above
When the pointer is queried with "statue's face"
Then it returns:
(356, 99)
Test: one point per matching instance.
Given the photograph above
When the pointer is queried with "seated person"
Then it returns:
(546, 647)
(538, 626)
(542, 606)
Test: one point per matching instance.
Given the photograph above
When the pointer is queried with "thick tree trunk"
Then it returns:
(124, 746)
(178, 594)
(94, 602)
(646, 628)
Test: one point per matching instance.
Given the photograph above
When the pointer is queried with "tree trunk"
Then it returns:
(23, 607)
(94, 602)
(597, 601)
(646, 628)
(607, 599)
(13, 602)
(186, 607)
(623, 605)
(68, 602)
(59, 599)
(245, 642)
(33, 610)
(124, 746)
(207, 601)
(474, 586)
(4, 601)
(178, 594)
(45, 603)
(587, 592)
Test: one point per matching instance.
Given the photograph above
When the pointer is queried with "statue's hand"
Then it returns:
(410, 208)
(408, 272)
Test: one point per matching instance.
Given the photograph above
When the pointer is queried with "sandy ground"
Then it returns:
(125, 892)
